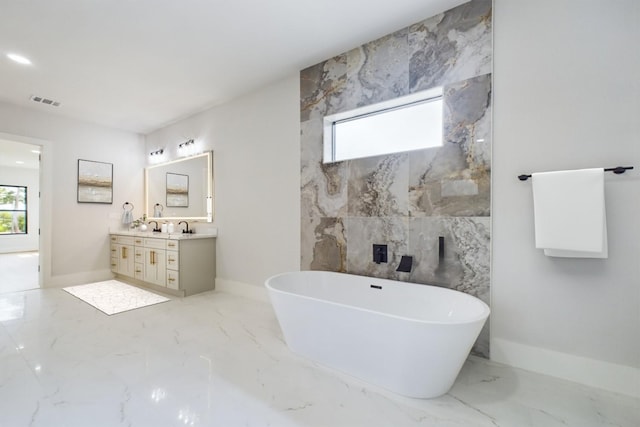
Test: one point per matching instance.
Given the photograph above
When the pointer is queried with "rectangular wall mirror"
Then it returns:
(180, 189)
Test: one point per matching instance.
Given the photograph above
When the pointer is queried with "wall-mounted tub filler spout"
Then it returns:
(405, 264)
(186, 230)
(156, 228)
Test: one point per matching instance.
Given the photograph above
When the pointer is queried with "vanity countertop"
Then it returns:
(210, 234)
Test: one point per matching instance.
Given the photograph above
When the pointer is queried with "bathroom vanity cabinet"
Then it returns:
(122, 255)
(179, 264)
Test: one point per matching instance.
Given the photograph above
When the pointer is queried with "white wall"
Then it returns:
(75, 244)
(256, 144)
(29, 178)
(567, 96)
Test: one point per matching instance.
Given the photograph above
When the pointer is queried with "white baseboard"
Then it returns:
(242, 289)
(77, 278)
(594, 373)
(11, 248)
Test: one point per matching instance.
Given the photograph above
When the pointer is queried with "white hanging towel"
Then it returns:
(127, 217)
(569, 210)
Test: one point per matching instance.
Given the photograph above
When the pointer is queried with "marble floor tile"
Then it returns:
(19, 271)
(217, 359)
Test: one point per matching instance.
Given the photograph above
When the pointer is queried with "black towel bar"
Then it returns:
(617, 170)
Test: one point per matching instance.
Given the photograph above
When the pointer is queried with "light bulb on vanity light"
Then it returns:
(186, 144)
(187, 148)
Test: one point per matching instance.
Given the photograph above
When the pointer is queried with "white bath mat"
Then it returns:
(112, 296)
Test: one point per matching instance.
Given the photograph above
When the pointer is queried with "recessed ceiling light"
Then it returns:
(19, 58)
(20, 162)
(35, 151)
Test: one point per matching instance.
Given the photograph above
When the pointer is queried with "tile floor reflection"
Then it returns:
(19, 271)
(217, 359)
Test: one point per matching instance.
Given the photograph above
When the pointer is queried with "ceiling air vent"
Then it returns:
(42, 100)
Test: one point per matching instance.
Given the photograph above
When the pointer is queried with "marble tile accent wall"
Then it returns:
(405, 200)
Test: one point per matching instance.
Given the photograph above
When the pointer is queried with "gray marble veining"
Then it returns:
(323, 186)
(378, 186)
(363, 232)
(450, 47)
(406, 200)
(327, 238)
(321, 87)
(378, 71)
(454, 180)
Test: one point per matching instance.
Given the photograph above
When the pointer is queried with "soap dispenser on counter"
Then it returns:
(171, 227)
(164, 227)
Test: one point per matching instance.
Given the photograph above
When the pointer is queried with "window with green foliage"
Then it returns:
(13, 209)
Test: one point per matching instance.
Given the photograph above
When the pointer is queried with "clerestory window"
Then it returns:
(403, 124)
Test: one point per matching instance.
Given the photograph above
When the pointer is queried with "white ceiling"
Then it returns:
(140, 65)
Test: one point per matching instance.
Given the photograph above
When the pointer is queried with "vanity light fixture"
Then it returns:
(186, 144)
(157, 152)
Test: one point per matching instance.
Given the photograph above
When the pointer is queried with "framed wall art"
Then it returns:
(95, 182)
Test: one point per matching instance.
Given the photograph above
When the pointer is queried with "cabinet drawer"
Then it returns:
(114, 251)
(173, 261)
(173, 280)
(154, 243)
(172, 245)
(138, 241)
(114, 264)
(123, 240)
(138, 270)
(139, 254)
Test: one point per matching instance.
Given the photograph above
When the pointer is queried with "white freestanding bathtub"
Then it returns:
(408, 338)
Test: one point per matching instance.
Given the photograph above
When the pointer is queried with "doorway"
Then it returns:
(19, 216)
